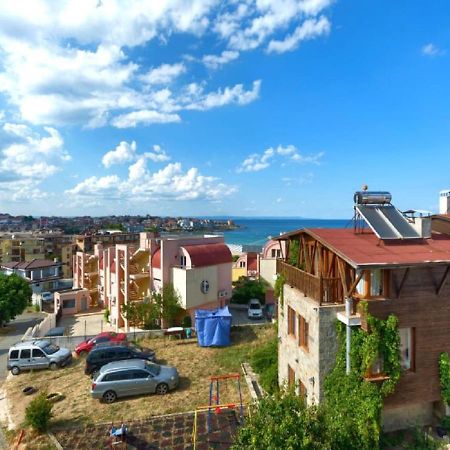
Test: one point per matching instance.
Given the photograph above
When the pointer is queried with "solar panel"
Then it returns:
(387, 222)
(398, 220)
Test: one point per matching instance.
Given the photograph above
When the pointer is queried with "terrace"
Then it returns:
(324, 290)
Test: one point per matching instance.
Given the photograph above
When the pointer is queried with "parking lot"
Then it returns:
(84, 324)
(239, 313)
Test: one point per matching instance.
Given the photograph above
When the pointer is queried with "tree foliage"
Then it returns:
(245, 289)
(444, 376)
(151, 313)
(15, 295)
(283, 422)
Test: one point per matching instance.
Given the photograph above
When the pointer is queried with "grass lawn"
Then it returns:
(194, 364)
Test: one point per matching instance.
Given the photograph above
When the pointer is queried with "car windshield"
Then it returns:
(50, 349)
(255, 306)
(154, 369)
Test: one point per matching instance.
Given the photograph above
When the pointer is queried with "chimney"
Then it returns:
(444, 202)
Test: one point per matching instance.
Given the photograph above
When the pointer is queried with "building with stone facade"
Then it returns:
(408, 277)
(199, 267)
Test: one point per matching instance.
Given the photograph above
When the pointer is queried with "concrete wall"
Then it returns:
(78, 295)
(312, 366)
(267, 270)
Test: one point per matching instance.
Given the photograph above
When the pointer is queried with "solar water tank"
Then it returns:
(372, 198)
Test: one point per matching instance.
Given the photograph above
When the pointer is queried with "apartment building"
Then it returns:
(198, 267)
(398, 266)
(86, 242)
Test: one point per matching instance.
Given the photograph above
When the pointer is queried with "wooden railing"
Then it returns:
(324, 290)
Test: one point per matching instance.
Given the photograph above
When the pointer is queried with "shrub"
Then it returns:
(187, 322)
(444, 375)
(39, 413)
(264, 361)
(106, 315)
(246, 289)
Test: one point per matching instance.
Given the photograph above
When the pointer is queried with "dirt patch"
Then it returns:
(195, 366)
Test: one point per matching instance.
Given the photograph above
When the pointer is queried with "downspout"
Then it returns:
(348, 313)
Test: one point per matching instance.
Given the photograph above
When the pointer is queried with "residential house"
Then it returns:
(387, 262)
(42, 274)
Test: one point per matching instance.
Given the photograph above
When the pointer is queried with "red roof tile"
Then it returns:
(208, 254)
(367, 249)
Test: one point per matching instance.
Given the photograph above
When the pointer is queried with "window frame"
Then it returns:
(291, 319)
(291, 376)
(303, 333)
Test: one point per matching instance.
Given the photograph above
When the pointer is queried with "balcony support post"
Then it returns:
(348, 312)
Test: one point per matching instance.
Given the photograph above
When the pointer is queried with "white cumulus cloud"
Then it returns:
(216, 61)
(163, 74)
(124, 152)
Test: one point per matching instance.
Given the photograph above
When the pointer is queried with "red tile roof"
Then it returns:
(156, 259)
(252, 261)
(208, 254)
(367, 249)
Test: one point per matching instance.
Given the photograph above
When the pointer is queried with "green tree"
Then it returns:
(169, 303)
(283, 422)
(245, 289)
(15, 295)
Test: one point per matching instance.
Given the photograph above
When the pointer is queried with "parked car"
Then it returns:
(47, 296)
(105, 353)
(254, 309)
(57, 331)
(107, 336)
(38, 354)
(133, 377)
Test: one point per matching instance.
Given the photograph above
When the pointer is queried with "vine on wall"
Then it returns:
(353, 403)
(444, 376)
(279, 288)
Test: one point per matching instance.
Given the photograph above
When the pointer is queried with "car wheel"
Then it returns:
(162, 389)
(53, 366)
(109, 397)
(15, 370)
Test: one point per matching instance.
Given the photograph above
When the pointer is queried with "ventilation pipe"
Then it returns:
(348, 313)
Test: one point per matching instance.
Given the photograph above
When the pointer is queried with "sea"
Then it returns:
(256, 232)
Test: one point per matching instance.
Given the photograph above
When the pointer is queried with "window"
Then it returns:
(241, 263)
(118, 376)
(25, 354)
(108, 354)
(139, 374)
(275, 253)
(302, 390)
(291, 376)
(38, 353)
(407, 336)
(291, 321)
(376, 283)
(183, 261)
(14, 354)
(303, 332)
(69, 303)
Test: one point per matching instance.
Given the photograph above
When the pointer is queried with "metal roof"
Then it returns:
(365, 249)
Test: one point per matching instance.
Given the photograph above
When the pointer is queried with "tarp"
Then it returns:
(213, 327)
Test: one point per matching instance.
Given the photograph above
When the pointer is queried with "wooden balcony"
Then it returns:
(325, 291)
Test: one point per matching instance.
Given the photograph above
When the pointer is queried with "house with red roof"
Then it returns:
(399, 266)
(199, 267)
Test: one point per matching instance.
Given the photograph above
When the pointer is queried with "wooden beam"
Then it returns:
(331, 266)
(355, 283)
(443, 281)
(281, 250)
(402, 283)
(343, 277)
(313, 256)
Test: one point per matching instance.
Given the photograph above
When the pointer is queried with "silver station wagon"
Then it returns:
(133, 377)
(38, 354)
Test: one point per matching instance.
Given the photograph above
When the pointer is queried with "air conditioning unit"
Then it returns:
(223, 294)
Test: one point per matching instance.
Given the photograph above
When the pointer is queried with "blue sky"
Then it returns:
(249, 108)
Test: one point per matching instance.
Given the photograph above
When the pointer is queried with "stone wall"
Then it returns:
(407, 416)
(313, 365)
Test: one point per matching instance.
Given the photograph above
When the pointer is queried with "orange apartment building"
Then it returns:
(198, 267)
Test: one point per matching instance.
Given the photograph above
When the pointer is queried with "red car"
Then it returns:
(107, 336)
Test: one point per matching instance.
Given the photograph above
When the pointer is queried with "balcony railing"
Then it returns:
(324, 290)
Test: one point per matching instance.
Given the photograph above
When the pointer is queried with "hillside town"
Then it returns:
(224, 225)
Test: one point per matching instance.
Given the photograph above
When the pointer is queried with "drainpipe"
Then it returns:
(348, 313)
